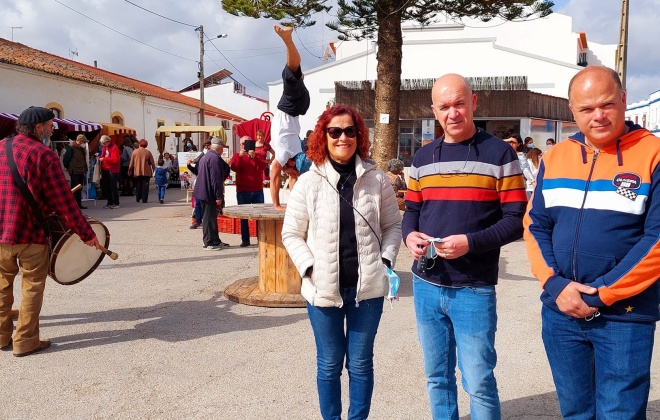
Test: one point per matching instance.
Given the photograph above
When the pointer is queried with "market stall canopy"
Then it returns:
(249, 128)
(8, 124)
(166, 130)
(114, 131)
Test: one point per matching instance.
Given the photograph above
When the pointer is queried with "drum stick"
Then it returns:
(106, 251)
(76, 188)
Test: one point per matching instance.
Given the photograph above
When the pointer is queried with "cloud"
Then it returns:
(55, 26)
(601, 21)
(251, 46)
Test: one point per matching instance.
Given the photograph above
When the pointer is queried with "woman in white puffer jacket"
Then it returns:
(341, 228)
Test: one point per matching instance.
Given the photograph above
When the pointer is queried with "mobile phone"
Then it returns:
(249, 145)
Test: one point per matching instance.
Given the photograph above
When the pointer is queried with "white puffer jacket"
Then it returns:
(311, 231)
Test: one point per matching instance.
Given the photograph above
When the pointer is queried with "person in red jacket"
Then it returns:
(249, 167)
(110, 158)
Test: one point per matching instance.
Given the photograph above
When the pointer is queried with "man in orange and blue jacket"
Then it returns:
(592, 231)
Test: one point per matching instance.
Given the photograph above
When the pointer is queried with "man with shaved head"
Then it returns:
(465, 200)
(593, 239)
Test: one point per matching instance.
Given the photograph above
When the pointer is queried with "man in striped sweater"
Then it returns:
(465, 200)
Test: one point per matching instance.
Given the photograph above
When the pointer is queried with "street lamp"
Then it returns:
(200, 73)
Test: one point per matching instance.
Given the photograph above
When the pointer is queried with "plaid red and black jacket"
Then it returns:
(40, 168)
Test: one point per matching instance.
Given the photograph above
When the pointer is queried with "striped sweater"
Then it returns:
(595, 218)
(474, 187)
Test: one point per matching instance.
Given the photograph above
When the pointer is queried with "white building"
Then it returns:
(222, 91)
(545, 51)
(78, 91)
(646, 112)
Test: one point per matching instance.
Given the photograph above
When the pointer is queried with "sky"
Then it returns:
(123, 37)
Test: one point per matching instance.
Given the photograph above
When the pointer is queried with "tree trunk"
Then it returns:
(388, 84)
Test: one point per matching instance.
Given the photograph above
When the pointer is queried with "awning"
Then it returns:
(8, 124)
(167, 130)
(111, 129)
(249, 128)
(77, 125)
(213, 130)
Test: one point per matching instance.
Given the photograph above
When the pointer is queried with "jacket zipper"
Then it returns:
(357, 291)
(579, 219)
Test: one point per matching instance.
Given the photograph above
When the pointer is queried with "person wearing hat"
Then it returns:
(23, 241)
(192, 167)
(209, 191)
(75, 161)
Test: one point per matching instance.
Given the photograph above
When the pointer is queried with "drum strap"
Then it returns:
(20, 183)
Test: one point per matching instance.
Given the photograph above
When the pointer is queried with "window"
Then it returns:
(57, 109)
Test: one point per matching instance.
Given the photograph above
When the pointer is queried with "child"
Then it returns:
(160, 177)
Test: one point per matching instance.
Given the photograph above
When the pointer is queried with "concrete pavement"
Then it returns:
(150, 336)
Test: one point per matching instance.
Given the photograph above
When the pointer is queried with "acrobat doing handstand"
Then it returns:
(285, 127)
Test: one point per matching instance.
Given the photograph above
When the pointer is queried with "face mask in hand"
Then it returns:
(394, 282)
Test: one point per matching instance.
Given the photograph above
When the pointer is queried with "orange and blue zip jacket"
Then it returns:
(594, 218)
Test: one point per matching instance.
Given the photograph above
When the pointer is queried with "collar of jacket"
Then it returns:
(635, 133)
(327, 171)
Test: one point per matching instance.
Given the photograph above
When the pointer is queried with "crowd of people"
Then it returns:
(590, 231)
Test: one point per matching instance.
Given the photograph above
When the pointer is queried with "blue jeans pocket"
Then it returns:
(482, 290)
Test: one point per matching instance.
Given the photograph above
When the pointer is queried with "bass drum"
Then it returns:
(71, 261)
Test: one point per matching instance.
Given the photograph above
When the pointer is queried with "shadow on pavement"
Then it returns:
(169, 321)
(537, 407)
(546, 407)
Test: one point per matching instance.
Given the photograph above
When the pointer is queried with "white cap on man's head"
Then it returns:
(217, 140)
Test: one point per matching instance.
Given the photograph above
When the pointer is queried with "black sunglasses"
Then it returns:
(336, 132)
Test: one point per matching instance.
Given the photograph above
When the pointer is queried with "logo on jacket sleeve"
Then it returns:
(625, 183)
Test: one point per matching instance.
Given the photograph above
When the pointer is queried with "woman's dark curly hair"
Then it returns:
(317, 143)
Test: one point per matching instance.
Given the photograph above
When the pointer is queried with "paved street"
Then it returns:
(150, 336)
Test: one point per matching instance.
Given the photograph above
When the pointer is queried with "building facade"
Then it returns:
(77, 91)
(646, 112)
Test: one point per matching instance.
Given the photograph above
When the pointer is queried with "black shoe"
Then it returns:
(244, 244)
(137, 200)
(82, 207)
(161, 201)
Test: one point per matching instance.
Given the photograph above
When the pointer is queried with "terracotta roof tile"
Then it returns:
(24, 56)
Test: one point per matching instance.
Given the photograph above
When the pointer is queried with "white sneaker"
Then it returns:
(213, 248)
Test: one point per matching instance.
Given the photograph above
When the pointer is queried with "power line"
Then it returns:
(233, 66)
(123, 34)
(154, 13)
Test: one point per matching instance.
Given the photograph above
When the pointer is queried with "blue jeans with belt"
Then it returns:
(355, 343)
(451, 322)
(601, 368)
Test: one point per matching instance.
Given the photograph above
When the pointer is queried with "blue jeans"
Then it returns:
(161, 191)
(198, 212)
(244, 197)
(461, 321)
(355, 343)
(601, 368)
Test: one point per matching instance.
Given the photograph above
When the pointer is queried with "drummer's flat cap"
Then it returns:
(35, 115)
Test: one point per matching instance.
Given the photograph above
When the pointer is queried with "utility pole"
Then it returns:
(622, 47)
(200, 73)
(12, 31)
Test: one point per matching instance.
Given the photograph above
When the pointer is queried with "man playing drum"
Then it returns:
(23, 241)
